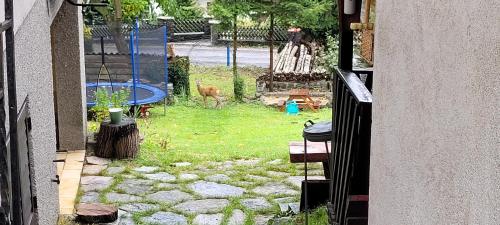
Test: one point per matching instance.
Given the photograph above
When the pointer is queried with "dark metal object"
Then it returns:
(12, 101)
(351, 142)
(351, 149)
(271, 53)
(366, 76)
(317, 193)
(57, 180)
(5, 206)
(104, 4)
(346, 40)
(104, 68)
(26, 188)
(313, 132)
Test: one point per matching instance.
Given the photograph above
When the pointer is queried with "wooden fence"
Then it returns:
(194, 29)
(254, 34)
(192, 26)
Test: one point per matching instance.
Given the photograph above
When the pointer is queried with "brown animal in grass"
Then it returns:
(211, 91)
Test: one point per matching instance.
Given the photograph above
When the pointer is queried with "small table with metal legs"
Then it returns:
(314, 132)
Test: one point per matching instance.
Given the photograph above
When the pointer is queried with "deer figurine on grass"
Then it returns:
(211, 91)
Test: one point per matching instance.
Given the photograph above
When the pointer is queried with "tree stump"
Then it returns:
(96, 213)
(119, 141)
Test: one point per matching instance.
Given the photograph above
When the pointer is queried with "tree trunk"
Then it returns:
(115, 27)
(271, 53)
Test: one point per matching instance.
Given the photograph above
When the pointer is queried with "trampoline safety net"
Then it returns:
(136, 60)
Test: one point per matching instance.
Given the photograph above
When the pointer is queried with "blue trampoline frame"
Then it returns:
(158, 94)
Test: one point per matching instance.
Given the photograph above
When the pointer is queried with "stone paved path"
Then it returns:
(212, 193)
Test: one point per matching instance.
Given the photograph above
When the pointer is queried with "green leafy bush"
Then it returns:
(101, 109)
(329, 57)
(239, 88)
(104, 101)
(178, 75)
(119, 99)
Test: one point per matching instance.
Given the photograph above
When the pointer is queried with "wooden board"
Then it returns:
(307, 64)
(316, 151)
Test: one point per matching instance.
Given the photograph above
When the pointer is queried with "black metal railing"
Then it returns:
(351, 150)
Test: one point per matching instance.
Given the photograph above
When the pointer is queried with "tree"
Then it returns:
(118, 12)
(180, 9)
(317, 17)
(227, 11)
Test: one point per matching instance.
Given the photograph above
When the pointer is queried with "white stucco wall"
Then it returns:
(21, 10)
(34, 79)
(435, 155)
(34, 73)
(23, 7)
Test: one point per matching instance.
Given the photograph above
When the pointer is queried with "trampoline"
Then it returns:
(144, 94)
(148, 70)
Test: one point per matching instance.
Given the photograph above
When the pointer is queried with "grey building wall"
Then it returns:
(69, 77)
(34, 80)
(35, 64)
(435, 155)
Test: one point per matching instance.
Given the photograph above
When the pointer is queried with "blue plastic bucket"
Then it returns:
(292, 108)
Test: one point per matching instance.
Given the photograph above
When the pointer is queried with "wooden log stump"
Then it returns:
(118, 141)
(96, 213)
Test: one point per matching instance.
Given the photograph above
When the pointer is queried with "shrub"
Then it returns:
(101, 109)
(329, 57)
(118, 99)
(239, 88)
(178, 75)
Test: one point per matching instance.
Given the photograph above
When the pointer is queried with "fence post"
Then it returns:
(170, 23)
(228, 55)
(206, 25)
(214, 35)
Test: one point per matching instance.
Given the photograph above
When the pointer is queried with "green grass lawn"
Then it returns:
(236, 131)
(188, 130)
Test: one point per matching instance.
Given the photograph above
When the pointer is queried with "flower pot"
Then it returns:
(116, 115)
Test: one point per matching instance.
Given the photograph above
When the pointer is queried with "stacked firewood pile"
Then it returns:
(297, 62)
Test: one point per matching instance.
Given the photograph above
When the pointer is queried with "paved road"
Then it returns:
(209, 55)
(202, 53)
